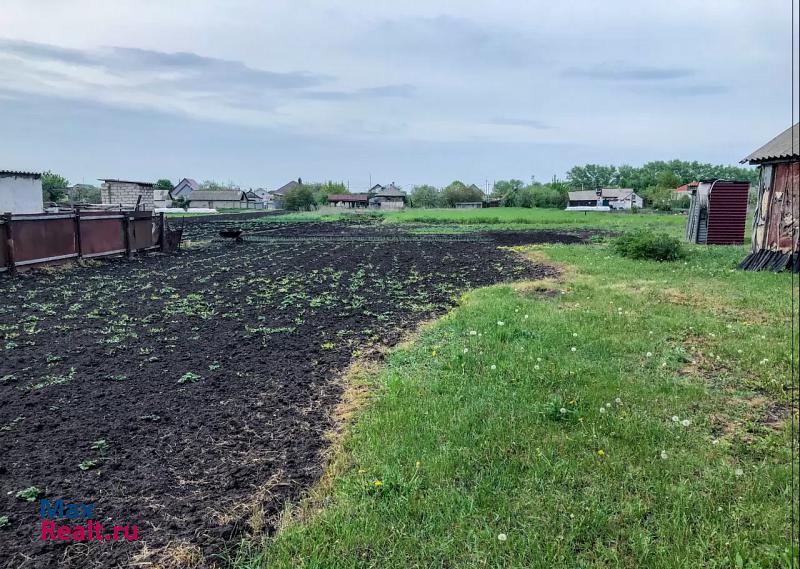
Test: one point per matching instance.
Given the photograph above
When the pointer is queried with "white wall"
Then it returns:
(20, 194)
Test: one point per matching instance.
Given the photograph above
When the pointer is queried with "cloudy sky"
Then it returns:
(259, 92)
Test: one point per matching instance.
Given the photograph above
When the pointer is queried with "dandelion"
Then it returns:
(649, 354)
(377, 484)
(602, 410)
(494, 366)
(739, 351)
(361, 471)
(664, 455)
(433, 353)
(574, 334)
(538, 359)
(608, 405)
(473, 333)
(536, 367)
(601, 452)
(574, 349)
(715, 442)
(739, 472)
(501, 537)
(465, 350)
(563, 410)
(650, 333)
(417, 465)
(501, 323)
(618, 401)
(675, 418)
(686, 422)
(526, 316)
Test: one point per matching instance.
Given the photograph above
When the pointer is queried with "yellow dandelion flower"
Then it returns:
(433, 353)
(418, 464)
(361, 471)
(601, 452)
(377, 484)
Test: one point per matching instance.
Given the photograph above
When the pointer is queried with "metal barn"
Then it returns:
(774, 244)
(718, 212)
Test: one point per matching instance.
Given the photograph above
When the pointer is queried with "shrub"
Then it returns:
(643, 244)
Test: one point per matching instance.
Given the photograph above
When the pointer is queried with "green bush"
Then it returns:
(643, 244)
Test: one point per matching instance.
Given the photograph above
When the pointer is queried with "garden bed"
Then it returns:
(190, 394)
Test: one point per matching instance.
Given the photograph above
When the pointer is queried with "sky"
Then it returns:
(418, 92)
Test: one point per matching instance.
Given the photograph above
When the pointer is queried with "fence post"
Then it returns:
(163, 232)
(78, 246)
(9, 238)
(126, 230)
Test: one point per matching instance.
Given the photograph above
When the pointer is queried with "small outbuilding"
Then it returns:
(219, 199)
(349, 200)
(604, 199)
(718, 212)
(127, 193)
(774, 243)
(20, 192)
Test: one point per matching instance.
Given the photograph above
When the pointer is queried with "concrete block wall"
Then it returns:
(126, 193)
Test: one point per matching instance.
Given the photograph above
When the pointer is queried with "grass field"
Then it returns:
(630, 414)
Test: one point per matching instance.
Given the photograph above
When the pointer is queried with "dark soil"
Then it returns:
(98, 354)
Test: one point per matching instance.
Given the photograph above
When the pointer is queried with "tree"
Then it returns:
(592, 176)
(322, 191)
(299, 198)
(424, 196)
(164, 184)
(504, 187)
(54, 187)
(457, 192)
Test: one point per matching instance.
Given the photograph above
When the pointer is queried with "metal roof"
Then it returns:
(617, 193)
(391, 191)
(784, 146)
(284, 188)
(20, 173)
(115, 180)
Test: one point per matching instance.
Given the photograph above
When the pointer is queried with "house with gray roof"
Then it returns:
(219, 199)
(389, 197)
(185, 188)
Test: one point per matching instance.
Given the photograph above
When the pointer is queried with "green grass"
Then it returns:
(525, 218)
(466, 440)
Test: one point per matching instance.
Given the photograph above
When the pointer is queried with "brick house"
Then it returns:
(127, 193)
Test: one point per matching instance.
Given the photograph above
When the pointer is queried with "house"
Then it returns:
(469, 205)
(604, 199)
(184, 188)
(390, 197)
(127, 193)
(277, 195)
(349, 200)
(776, 223)
(684, 190)
(219, 199)
(718, 212)
(254, 201)
(20, 192)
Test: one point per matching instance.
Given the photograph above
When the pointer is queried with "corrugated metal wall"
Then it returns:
(727, 213)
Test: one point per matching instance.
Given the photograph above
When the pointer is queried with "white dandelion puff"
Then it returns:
(501, 537)
(686, 422)
(664, 455)
(675, 418)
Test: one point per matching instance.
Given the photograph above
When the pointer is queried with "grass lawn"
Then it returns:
(630, 414)
(533, 218)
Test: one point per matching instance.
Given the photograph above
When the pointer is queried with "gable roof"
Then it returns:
(785, 145)
(687, 187)
(285, 188)
(189, 182)
(18, 174)
(390, 191)
(218, 195)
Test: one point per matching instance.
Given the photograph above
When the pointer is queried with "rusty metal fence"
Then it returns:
(35, 239)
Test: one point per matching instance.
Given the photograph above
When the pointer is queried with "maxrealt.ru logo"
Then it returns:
(77, 524)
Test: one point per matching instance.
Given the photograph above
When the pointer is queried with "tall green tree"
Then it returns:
(54, 187)
(299, 198)
(592, 176)
(458, 192)
(164, 184)
(424, 196)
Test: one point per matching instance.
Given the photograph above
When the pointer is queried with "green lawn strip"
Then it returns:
(541, 218)
(454, 455)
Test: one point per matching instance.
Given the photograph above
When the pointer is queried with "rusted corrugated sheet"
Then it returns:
(782, 223)
(101, 234)
(727, 212)
(38, 238)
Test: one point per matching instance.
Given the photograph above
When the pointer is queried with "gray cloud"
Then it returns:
(622, 72)
(530, 123)
(399, 91)
(447, 38)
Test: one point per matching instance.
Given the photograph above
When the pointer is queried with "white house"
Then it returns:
(21, 192)
(604, 199)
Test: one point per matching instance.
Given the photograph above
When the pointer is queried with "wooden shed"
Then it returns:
(718, 212)
(774, 245)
